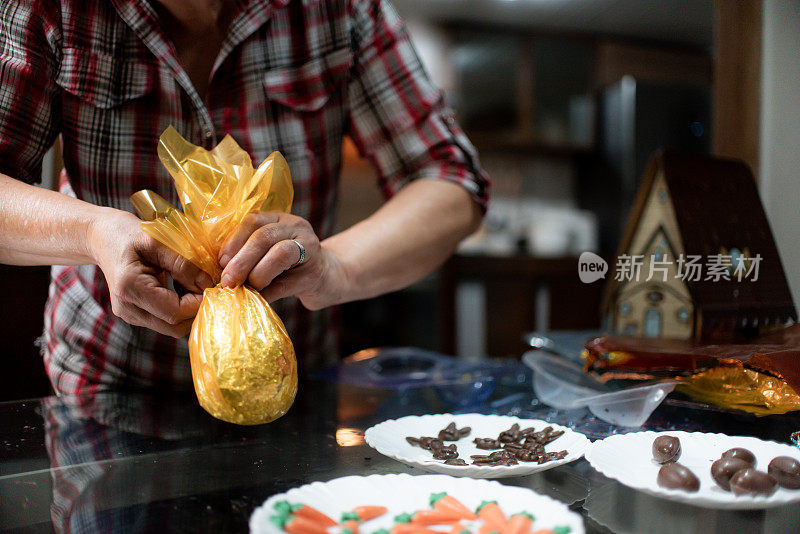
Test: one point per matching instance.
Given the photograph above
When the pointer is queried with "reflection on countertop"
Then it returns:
(117, 462)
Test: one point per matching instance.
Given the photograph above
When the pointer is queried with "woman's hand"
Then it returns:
(136, 267)
(263, 253)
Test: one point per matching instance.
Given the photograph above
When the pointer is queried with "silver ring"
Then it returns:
(302, 253)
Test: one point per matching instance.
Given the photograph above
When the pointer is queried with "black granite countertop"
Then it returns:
(132, 462)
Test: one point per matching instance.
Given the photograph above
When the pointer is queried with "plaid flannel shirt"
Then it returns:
(294, 76)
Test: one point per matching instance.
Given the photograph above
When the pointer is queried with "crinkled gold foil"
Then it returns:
(243, 363)
(741, 389)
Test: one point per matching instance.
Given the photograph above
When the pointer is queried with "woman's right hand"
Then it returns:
(137, 268)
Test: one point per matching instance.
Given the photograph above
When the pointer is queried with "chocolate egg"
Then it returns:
(743, 454)
(723, 469)
(666, 449)
(786, 470)
(751, 481)
(677, 476)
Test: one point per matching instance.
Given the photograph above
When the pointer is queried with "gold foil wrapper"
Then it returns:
(741, 389)
(243, 363)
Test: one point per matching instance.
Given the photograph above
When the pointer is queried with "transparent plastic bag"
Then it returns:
(243, 363)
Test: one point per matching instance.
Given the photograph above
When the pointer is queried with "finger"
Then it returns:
(163, 303)
(152, 322)
(182, 270)
(236, 241)
(257, 246)
(134, 315)
(280, 258)
(285, 285)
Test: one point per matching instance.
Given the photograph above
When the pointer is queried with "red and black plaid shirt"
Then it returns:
(294, 76)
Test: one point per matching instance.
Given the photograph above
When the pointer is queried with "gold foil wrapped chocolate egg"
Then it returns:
(243, 363)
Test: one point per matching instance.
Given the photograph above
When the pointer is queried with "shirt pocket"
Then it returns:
(309, 86)
(103, 80)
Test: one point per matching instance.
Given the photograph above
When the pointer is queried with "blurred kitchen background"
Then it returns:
(565, 100)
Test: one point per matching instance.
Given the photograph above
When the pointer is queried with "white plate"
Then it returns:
(389, 438)
(403, 493)
(629, 459)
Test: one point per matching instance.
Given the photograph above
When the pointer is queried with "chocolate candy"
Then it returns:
(550, 456)
(524, 455)
(430, 444)
(677, 476)
(445, 454)
(666, 449)
(744, 454)
(510, 443)
(786, 471)
(751, 481)
(488, 444)
(548, 435)
(723, 469)
(451, 433)
(512, 434)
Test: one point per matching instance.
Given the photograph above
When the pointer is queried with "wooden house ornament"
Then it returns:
(697, 259)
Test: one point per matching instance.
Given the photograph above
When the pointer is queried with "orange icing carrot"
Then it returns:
(519, 524)
(434, 517)
(411, 528)
(350, 527)
(448, 504)
(302, 525)
(492, 515)
(365, 513)
(313, 514)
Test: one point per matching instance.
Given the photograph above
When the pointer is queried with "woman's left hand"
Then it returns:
(264, 253)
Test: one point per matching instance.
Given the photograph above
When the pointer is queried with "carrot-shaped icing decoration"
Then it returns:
(350, 527)
(448, 504)
(364, 513)
(298, 525)
(492, 516)
(304, 510)
(458, 528)
(411, 528)
(434, 517)
(519, 523)
(487, 529)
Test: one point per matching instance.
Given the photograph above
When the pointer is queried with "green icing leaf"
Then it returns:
(349, 516)
(403, 518)
(283, 507)
(278, 520)
(436, 497)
